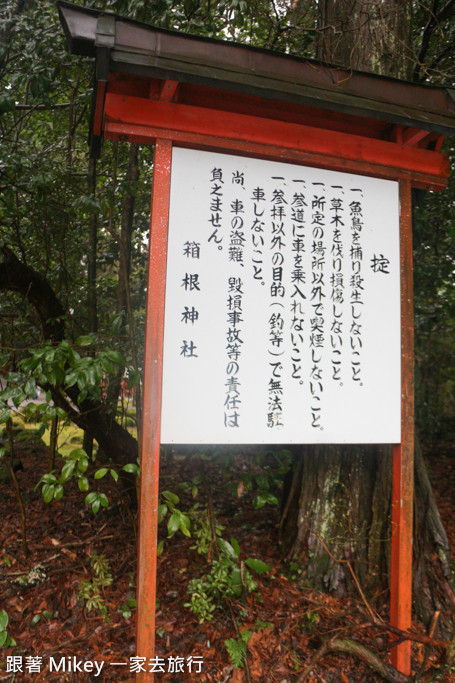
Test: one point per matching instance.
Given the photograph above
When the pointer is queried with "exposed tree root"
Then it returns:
(384, 669)
(381, 667)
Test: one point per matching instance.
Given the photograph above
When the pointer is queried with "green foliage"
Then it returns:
(126, 609)
(227, 578)
(293, 570)
(201, 603)
(309, 622)
(257, 566)
(202, 530)
(177, 520)
(75, 465)
(91, 590)
(37, 617)
(64, 366)
(237, 648)
(5, 639)
(264, 478)
(96, 500)
(434, 296)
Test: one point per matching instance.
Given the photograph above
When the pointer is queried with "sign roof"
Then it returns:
(143, 50)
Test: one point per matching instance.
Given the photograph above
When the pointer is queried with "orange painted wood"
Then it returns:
(245, 103)
(168, 90)
(153, 368)
(146, 135)
(413, 136)
(178, 118)
(292, 112)
(403, 454)
(292, 149)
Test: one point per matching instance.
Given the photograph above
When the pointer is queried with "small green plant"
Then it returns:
(202, 603)
(75, 465)
(91, 590)
(38, 616)
(293, 570)
(261, 625)
(310, 621)
(202, 530)
(126, 610)
(5, 639)
(297, 663)
(237, 648)
(228, 577)
(264, 479)
(177, 520)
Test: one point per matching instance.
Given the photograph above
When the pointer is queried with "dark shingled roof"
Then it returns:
(144, 50)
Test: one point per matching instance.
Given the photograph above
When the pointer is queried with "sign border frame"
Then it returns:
(403, 453)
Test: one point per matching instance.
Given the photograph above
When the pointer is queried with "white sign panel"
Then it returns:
(282, 318)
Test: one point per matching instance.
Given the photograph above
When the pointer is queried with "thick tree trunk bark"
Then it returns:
(432, 580)
(338, 506)
(370, 36)
(339, 510)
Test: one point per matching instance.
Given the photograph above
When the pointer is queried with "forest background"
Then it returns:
(74, 238)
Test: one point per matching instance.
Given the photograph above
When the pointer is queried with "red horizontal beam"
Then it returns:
(253, 105)
(146, 135)
(174, 121)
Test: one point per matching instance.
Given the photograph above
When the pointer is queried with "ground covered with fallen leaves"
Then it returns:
(282, 622)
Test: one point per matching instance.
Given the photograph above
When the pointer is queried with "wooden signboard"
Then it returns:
(172, 342)
(279, 305)
(282, 320)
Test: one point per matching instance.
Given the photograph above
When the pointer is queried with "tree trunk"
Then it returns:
(340, 502)
(338, 506)
(116, 442)
(432, 580)
(338, 509)
(127, 228)
(92, 303)
(365, 35)
(124, 269)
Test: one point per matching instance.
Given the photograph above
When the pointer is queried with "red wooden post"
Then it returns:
(153, 365)
(403, 454)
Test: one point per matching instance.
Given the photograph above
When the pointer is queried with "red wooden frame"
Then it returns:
(403, 454)
(163, 122)
(153, 364)
(141, 120)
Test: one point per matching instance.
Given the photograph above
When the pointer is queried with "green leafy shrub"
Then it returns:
(91, 590)
(227, 577)
(176, 519)
(237, 648)
(5, 639)
(202, 530)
